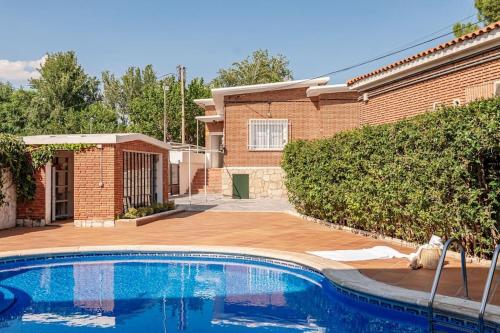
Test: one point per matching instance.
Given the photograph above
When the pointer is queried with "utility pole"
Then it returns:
(182, 78)
(165, 123)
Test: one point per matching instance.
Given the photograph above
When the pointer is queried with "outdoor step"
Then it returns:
(213, 181)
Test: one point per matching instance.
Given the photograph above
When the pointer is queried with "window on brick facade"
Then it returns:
(140, 179)
(438, 105)
(478, 91)
(267, 134)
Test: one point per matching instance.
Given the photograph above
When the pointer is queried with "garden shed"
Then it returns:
(93, 178)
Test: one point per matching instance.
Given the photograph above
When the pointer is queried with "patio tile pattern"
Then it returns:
(277, 231)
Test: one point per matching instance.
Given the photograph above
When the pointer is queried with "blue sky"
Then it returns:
(316, 36)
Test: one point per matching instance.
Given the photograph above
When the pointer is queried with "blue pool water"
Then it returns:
(139, 292)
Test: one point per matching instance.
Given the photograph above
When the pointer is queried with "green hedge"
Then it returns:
(436, 173)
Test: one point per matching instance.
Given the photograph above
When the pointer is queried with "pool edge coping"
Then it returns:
(341, 274)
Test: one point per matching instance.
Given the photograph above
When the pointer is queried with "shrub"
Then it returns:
(437, 173)
(133, 213)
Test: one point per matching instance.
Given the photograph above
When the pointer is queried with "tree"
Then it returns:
(460, 29)
(14, 108)
(196, 89)
(488, 11)
(62, 89)
(97, 118)
(120, 92)
(146, 112)
(259, 68)
(139, 96)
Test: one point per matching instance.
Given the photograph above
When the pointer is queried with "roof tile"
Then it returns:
(452, 42)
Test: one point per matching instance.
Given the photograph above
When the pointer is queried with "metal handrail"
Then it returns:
(487, 288)
(437, 277)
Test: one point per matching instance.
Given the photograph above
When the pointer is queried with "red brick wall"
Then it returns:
(210, 110)
(137, 146)
(92, 202)
(217, 126)
(308, 119)
(34, 209)
(464, 84)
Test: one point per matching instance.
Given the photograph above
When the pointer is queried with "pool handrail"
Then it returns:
(487, 288)
(437, 277)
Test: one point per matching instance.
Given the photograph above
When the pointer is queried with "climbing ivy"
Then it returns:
(22, 162)
(41, 155)
(14, 158)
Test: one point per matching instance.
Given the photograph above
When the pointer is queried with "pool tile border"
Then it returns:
(346, 279)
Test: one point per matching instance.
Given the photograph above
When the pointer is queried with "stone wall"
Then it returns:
(264, 182)
(8, 209)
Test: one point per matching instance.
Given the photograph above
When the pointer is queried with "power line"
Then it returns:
(433, 33)
(391, 53)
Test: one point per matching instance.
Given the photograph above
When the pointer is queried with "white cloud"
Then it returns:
(20, 71)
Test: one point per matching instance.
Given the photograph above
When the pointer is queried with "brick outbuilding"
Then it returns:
(94, 185)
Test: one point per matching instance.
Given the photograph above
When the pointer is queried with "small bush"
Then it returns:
(436, 173)
(133, 213)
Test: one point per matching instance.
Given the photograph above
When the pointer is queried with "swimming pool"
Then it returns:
(191, 292)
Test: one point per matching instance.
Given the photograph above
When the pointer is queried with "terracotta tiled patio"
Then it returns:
(277, 231)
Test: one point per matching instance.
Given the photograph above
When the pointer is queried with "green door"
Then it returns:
(240, 186)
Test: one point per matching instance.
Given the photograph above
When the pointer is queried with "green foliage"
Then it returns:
(460, 29)
(133, 213)
(260, 68)
(14, 158)
(67, 100)
(96, 118)
(138, 97)
(488, 11)
(62, 92)
(437, 173)
(14, 108)
(41, 155)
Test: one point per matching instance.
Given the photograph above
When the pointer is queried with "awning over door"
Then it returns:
(209, 119)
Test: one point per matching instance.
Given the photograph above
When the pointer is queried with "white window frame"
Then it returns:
(496, 88)
(267, 146)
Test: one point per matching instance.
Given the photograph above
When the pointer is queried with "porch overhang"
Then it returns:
(210, 119)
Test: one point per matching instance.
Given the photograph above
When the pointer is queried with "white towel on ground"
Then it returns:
(376, 252)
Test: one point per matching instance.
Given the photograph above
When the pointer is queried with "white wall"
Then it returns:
(197, 162)
(8, 210)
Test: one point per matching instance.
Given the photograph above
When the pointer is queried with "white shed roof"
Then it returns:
(113, 138)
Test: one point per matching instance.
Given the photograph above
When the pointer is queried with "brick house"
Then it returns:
(95, 185)
(453, 73)
(249, 125)
(247, 128)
